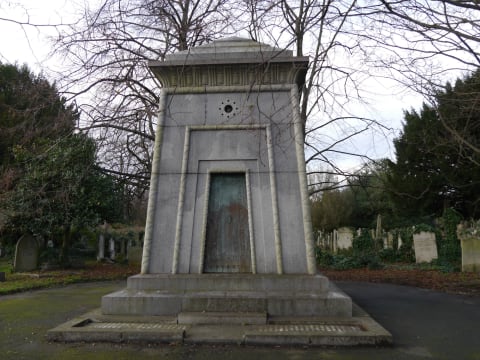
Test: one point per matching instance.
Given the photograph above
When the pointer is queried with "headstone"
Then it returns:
(335, 240)
(101, 247)
(390, 240)
(425, 247)
(26, 254)
(344, 238)
(470, 253)
(111, 248)
(101, 240)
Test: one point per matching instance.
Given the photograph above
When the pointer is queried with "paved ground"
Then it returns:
(425, 325)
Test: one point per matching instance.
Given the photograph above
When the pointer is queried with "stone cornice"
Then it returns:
(286, 71)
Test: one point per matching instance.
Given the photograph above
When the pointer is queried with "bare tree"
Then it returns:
(348, 42)
(321, 29)
(429, 43)
(107, 72)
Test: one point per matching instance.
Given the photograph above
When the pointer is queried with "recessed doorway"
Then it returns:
(227, 243)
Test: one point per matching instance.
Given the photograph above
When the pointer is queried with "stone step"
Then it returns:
(297, 283)
(159, 303)
(237, 318)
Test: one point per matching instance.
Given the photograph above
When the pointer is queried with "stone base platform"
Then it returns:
(260, 309)
(222, 328)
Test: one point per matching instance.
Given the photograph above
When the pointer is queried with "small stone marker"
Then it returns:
(2, 276)
(111, 248)
(26, 254)
(101, 247)
(425, 246)
(389, 241)
(470, 253)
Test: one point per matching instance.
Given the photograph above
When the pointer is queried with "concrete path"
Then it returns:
(425, 325)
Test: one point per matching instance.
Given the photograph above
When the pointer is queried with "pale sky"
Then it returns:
(28, 44)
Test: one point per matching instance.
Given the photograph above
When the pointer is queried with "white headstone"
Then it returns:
(101, 247)
(425, 247)
(111, 248)
(335, 240)
(344, 238)
(470, 253)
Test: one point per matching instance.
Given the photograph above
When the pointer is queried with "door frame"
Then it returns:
(203, 238)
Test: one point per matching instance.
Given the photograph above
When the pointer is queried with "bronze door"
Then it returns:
(227, 245)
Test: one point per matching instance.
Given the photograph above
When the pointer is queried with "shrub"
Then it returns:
(388, 255)
(449, 245)
(363, 244)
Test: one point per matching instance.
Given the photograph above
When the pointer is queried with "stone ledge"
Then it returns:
(247, 282)
(127, 302)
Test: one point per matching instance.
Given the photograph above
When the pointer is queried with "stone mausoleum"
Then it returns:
(228, 223)
(228, 238)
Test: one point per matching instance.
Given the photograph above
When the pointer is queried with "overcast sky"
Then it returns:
(27, 44)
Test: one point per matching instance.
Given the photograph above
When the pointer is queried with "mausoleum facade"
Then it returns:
(228, 190)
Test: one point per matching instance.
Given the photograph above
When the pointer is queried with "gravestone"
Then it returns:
(425, 246)
(470, 253)
(228, 204)
(101, 247)
(389, 244)
(111, 248)
(344, 238)
(26, 254)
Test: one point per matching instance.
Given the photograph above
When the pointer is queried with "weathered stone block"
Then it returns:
(470, 254)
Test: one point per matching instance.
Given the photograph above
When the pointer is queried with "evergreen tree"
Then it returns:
(437, 163)
(49, 180)
(30, 110)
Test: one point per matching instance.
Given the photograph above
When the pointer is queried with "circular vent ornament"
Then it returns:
(228, 108)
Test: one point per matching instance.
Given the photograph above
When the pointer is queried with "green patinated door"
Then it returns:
(227, 246)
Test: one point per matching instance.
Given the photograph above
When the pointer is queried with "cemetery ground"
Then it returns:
(425, 324)
(418, 275)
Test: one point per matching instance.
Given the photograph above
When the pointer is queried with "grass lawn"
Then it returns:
(93, 271)
(411, 274)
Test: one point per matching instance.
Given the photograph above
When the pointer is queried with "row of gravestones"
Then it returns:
(132, 252)
(424, 244)
(27, 252)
